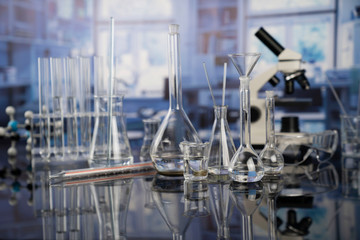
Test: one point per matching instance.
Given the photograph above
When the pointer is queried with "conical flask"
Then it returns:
(271, 157)
(222, 147)
(176, 127)
(117, 151)
(247, 198)
(246, 165)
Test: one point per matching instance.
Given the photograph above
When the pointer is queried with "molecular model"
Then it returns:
(13, 132)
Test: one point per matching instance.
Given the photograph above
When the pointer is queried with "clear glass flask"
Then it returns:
(222, 147)
(271, 157)
(246, 165)
(117, 151)
(150, 128)
(176, 127)
(247, 198)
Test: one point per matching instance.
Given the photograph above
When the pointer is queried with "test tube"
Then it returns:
(44, 106)
(71, 87)
(85, 67)
(57, 73)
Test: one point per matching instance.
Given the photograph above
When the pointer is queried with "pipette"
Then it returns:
(97, 172)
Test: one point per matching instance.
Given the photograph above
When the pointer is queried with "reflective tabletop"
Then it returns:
(299, 204)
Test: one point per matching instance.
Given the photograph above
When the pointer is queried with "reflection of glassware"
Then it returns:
(195, 160)
(222, 147)
(196, 196)
(168, 195)
(273, 185)
(221, 207)
(176, 126)
(150, 128)
(271, 157)
(112, 203)
(149, 201)
(119, 146)
(245, 166)
(247, 197)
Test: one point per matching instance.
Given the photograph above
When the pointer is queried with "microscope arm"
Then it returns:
(259, 81)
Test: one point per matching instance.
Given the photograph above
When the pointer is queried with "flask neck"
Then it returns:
(245, 114)
(270, 119)
(220, 112)
(175, 93)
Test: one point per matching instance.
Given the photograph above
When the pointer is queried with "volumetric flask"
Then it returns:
(222, 147)
(114, 149)
(176, 127)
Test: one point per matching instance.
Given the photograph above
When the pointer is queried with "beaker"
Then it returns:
(222, 147)
(246, 165)
(150, 128)
(176, 127)
(271, 157)
(117, 151)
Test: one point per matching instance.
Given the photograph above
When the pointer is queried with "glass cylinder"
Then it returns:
(246, 165)
(117, 151)
(176, 127)
(222, 147)
(150, 128)
(271, 157)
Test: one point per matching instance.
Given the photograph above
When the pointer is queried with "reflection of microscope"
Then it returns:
(289, 64)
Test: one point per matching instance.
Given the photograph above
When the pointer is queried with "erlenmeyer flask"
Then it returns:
(168, 195)
(150, 128)
(117, 151)
(176, 127)
(271, 157)
(246, 165)
(222, 147)
(247, 197)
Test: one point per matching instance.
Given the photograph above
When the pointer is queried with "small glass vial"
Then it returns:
(222, 147)
(271, 157)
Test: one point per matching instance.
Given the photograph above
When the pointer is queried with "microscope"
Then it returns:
(289, 64)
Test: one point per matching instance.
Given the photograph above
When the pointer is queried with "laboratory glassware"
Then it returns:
(71, 87)
(151, 126)
(168, 195)
(176, 127)
(195, 160)
(44, 107)
(221, 207)
(247, 198)
(273, 184)
(271, 157)
(222, 147)
(196, 195)
(246, 165)
(85, 74)
(58, 74)
(117, 151)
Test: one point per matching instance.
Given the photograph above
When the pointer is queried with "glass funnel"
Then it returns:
(176, 127)
(222, 147)
(246, 165)
(271, 157)
(168, 195)
(247, 198)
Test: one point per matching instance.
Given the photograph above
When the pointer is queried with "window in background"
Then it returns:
(140, 46)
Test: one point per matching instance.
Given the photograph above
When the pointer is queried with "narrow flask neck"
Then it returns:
(245, 114)
(270, 120)
(220, 112)
(175, 94)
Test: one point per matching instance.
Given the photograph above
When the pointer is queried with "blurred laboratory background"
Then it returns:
(325, 32)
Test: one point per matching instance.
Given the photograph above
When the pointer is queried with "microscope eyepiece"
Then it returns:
(269, 41)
